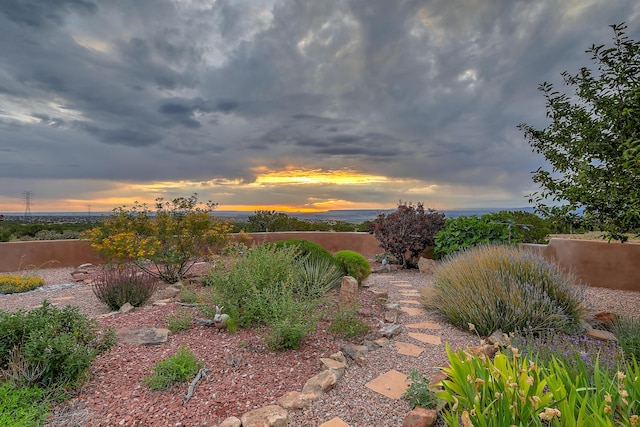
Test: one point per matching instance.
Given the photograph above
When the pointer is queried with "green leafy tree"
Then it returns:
(264, 220)
(165, 243)
(593, 142)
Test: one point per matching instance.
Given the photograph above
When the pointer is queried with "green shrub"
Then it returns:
(288, 333)
(526, 227)
(419, 392)
(116, 286)
(179, 368)
(48, 346)
(180, 320)
(354, 264)
(346, 323)
(13, 283)
(503, 287)
(307, 249)
(466, 232)
(22, 406)
(627, 331)
(270, 285)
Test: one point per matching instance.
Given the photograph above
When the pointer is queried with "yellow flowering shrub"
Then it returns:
(13, 283)
(166, 242)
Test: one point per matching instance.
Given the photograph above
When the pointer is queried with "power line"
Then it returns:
(27, 203)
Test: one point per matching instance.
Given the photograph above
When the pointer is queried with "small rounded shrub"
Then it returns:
(354, 264)
(308, 249)
(503, 287)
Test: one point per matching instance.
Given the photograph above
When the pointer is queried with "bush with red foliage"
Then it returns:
(407, 232)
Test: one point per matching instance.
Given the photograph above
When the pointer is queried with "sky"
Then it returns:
(288, 105)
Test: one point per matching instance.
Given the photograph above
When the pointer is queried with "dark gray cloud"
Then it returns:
(101, 99)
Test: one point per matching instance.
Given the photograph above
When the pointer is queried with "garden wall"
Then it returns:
(595, 262)
(71, 253)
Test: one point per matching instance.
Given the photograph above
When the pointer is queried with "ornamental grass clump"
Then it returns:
(501, 287)
(117, 285)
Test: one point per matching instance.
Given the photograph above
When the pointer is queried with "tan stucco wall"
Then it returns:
(71, 253)
(45, 254)
(596, 263)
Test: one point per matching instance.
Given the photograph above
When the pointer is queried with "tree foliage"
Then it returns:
(165, 243)
(593, 142)
(408, 231)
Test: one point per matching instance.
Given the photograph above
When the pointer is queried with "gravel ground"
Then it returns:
(116, 377)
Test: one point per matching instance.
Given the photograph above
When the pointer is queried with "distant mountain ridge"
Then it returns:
(355, 216)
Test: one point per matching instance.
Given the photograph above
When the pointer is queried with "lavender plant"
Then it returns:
(503, 287)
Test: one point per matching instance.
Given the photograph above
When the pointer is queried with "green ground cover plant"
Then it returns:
(120, 284)
(346, 323)
(179, 320)
(13, 283)
(503, 287)
(22, 406)
(354, 264)
(419, 393)
(181, 367)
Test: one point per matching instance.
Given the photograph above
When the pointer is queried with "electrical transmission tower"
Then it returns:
(27, 203)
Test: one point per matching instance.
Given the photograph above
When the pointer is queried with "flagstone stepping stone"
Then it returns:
(404, 285)
(408, 349)
(413, 311)
(410, 301)
(409, 293)
(426, 338)
(334, 422)
(424, 325)
(63, 298)
(143, 335)
(392, 384)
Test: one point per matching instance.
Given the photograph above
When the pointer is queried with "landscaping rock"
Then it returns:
(391, 316)
(145, 335)
(321, 383)
(601, 335)
(126, 308)
(427, 266)
(296, 400)
(339, 357)
(268, 416)
(348, 291)
(497, 337)
(231, 422)
(389, 330)
(338, 367)
(355, 351)
(488, 350)
(420, 417)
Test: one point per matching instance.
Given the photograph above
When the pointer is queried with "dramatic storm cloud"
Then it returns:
(297, 104)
